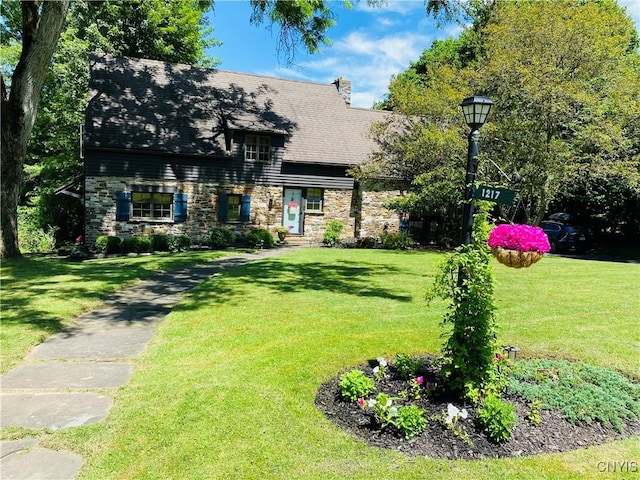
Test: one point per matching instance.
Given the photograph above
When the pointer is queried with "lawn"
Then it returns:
(42, 294)
(226, 389)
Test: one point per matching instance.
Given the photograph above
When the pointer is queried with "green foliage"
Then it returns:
(564, 80)
(331, 236)
(220, 238)
(396, 241)
(581, 392)
(159, 242)
(497, 418)
(533, 415)
(407, 366)
(411, 420)
(128, 245)
(108, 244)
(31, 236)
(465, 279)
(179, 243)
(137, 244)
(383, 410)
(260, 238)
(355, 384)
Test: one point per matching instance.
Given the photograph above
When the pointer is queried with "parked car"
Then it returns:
(564, 237)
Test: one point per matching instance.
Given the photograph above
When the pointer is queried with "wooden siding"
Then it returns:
(228, 169)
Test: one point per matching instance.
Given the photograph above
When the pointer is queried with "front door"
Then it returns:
(292, 210)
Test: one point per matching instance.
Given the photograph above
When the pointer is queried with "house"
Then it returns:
(177, 149)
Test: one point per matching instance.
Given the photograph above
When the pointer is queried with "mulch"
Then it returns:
(553, 434)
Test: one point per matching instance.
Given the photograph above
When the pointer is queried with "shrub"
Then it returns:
(129, 245)
(260, 238)
(407, 366)
(143, 244)
(497, 418)
(355, 384)
(159, 242)
(396, 241)
(179, 243)
(108, 244)
(332, 233)
(220, 237)
(410, 420)
(31, 237)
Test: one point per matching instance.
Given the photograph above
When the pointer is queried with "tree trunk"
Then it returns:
(41, 28)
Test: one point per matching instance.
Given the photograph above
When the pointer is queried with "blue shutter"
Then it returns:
(245, 208)
(223, 207)
(123, 206)
(179, 207)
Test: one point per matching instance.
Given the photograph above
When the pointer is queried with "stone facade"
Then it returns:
(362, 213)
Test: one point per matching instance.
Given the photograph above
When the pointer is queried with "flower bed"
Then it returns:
(453, 428)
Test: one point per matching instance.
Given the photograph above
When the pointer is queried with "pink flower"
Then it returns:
(419, 380)
(362, 403)
(524, 238)
(80, 239)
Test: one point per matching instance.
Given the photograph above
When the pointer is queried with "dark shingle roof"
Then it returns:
(149, 105)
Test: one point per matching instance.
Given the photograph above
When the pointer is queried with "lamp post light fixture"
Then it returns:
(475, 110)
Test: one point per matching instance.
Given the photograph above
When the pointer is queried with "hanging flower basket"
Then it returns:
(518, 246)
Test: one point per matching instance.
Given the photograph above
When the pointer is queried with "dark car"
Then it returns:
(564, 237)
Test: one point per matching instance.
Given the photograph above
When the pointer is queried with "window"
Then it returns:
(314, 200)
(257, 148)
(234, 207)
(151, 205)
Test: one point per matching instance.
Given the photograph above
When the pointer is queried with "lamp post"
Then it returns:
(475, 110)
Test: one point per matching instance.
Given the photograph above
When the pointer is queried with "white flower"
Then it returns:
(376, 370)
(382, 361)
(463, 413)
(452, 410)
(371, 402)
(389, 403)
(393, 411)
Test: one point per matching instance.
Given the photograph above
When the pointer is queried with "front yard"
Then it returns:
(227, 387)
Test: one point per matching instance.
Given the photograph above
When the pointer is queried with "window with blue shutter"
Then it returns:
(234, 207)
(123, 206)
(245, 208)
(180, 207)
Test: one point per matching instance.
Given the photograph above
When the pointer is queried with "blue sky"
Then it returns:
(369, 45)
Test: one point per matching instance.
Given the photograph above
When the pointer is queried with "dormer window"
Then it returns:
(257, 147)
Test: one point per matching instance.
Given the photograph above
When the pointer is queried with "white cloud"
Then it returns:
(633, 8)
(369, 62)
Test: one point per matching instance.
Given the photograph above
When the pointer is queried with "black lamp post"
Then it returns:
(475, 110)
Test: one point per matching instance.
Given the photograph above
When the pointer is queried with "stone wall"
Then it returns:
(364, 212)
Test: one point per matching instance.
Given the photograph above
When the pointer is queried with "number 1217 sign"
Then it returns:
(503, 196)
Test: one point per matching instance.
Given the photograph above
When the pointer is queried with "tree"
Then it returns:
(565, 81)
(41, 28)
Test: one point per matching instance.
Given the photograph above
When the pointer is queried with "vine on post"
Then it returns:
(465, 278)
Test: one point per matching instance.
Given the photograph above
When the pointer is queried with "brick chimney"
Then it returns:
(344, 89)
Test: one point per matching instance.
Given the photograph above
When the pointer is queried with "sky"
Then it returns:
(369, 45)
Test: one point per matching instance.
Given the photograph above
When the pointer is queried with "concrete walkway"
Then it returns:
(55, 388)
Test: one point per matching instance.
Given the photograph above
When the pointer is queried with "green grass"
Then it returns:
(40, 295)
(226, 388)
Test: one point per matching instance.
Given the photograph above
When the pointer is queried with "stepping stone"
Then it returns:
(24, 460)
(67, 375)
(52, 410)
(94, 342)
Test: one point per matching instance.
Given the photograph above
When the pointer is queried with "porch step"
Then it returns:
(303, 241)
